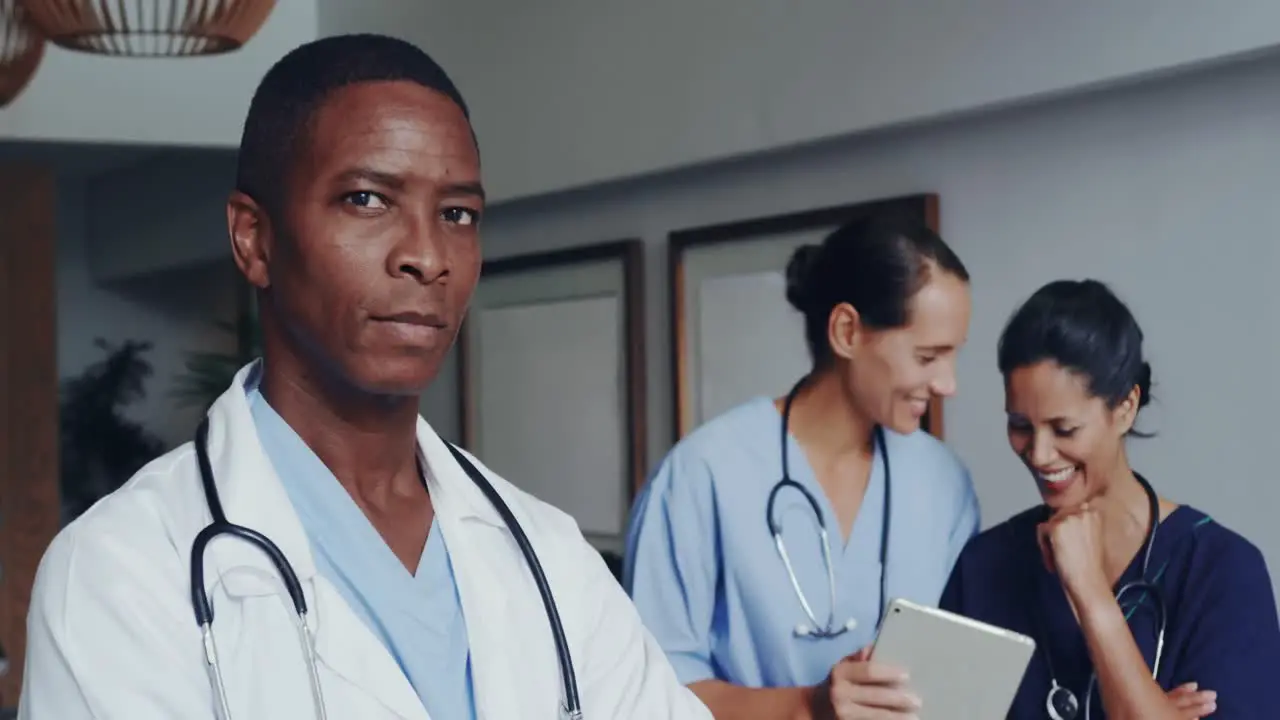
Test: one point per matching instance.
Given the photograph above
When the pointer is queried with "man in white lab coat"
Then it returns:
(355, 216)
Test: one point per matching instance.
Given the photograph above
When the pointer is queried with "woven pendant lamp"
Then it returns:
(150, 28)
(21, 48)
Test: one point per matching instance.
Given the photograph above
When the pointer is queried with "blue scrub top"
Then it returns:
(1222, 631)
(417, 617)
(706, 577)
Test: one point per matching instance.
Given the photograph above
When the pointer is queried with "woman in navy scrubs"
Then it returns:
(1075, 380)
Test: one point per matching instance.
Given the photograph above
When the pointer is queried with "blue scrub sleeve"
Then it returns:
(671, 563)
(1234, 643)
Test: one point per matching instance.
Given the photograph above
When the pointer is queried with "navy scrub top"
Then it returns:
(1223, 631)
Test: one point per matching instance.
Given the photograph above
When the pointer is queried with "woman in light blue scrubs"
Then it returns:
(886, 311)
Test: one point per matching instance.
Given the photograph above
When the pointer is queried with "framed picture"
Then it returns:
(734, 336)
(552, 392)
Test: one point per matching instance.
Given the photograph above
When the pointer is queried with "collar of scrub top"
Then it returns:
(252, 495)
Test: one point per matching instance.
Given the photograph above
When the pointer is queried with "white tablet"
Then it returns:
(960, 668)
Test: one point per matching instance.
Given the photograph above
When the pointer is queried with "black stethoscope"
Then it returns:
(1061, 703)
(812, 628)
(572, 707)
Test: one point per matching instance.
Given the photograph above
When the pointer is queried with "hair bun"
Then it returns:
(1144, 384)
(799, 274)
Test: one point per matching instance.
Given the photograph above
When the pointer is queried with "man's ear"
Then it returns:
(251, 238)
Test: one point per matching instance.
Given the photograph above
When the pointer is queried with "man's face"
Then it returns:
(375, 253)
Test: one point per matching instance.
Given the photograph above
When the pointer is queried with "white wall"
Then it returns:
(79, 97)
(1166, 191)
(173, 310)
(571, 92)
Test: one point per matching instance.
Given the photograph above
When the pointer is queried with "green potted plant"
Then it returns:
(101, 448)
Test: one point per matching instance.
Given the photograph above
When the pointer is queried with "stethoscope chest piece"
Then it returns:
(1061, 703)
(807, 630)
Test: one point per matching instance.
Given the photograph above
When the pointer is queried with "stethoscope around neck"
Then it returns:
(1061, 702)
(813, 628)
(571, 708)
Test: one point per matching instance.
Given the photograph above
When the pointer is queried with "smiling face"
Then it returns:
(369, 265)
(893, 374)
(1069, 439)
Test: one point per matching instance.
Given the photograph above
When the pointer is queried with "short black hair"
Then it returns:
(295, 87)
(874, 264)
(1084, 328)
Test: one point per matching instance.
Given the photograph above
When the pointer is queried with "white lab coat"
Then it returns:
(111, 631)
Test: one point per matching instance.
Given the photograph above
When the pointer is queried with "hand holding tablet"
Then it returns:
(858, 688)
(961, 669)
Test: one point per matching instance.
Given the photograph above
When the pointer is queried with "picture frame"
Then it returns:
(728, 274)
(551, 355)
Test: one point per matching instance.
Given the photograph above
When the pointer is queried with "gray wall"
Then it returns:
(1166, 191)
(566, 93)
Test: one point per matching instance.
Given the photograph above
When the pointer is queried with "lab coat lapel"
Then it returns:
(346, 646)
(513, 668)
(497, 663)
(253, 496)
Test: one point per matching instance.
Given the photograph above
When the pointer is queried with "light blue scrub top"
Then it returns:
(417, 617)
(706, 577)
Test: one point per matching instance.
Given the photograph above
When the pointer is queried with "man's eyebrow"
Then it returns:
(393, 181)
(377, 177)
(473, 189)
